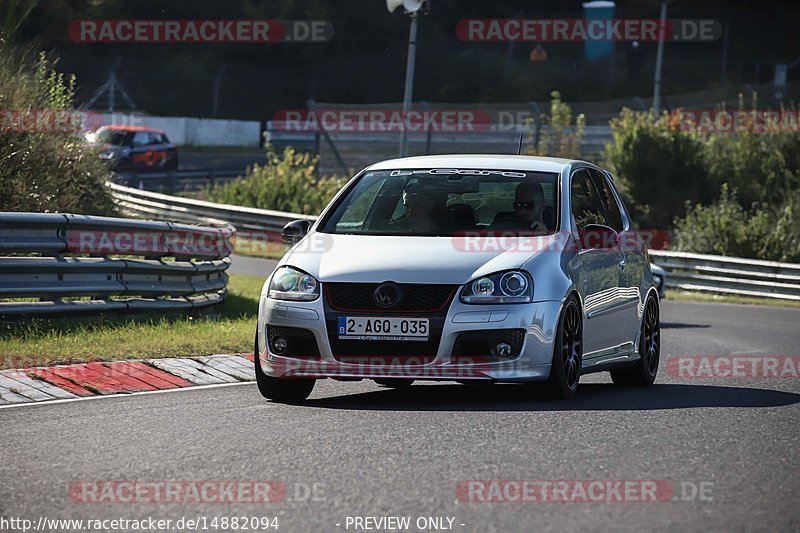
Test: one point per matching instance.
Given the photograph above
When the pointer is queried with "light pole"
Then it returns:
(659, 60)
(412, 8)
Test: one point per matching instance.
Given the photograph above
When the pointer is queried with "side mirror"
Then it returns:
(598, 236)
(295, 230)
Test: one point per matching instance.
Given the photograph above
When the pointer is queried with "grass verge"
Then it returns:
(48, 342)
(690, 296)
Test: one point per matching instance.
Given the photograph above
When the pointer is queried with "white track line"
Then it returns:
(128, 395)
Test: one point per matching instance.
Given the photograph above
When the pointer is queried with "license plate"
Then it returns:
(383, 328)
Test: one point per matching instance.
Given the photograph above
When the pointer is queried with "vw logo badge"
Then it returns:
(387, 295)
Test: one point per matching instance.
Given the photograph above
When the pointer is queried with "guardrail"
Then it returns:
(61, 264)
(178, 180)
(152, 205)
(729, 275)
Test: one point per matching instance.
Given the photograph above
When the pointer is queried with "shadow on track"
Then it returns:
(591, 397)
(680, 325)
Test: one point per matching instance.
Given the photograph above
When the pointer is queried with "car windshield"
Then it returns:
(446, 202)
(114, 137)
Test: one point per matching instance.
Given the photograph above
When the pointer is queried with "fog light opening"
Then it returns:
(503, 349)
(279, 345)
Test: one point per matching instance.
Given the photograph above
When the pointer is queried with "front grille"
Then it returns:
(356, 299)
(348, 351)
(299, 342)
(414, 298)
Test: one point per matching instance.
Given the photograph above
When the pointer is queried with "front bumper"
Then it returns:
(538, 319)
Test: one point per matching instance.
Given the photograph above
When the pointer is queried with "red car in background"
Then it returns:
(135, 148)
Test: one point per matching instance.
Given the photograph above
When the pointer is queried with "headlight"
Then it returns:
(514, 287)
(291, 284)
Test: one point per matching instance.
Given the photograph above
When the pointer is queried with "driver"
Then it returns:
(529, 204)
(528, 209)
(422, 210)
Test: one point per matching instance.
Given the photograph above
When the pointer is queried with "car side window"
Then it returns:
(608, 200)
(585, 202)
(155, 138)
(140, 139)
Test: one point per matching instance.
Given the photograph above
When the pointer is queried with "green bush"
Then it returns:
(562, 139)
(726, 193)
(287, 183)
(45, 171)
(727, 228)
(761, 167)
(658, 167)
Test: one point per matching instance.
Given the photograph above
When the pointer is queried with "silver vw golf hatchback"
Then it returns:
(468, 268)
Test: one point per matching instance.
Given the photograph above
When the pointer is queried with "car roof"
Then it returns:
(131, 128)
(480, 161)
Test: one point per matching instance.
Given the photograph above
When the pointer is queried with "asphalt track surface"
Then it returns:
(378, 452)
(220, 160)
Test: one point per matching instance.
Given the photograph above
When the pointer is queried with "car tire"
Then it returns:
(643, 372)
(291, 391)
(565, 370)
(395, 383)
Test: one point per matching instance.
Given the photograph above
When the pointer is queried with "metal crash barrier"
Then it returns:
(62, 264)
(729, 275)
